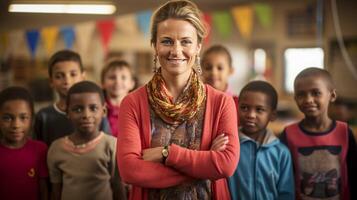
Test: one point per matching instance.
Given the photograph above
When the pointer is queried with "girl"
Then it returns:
(23, 161)
(117, 80)
(82, 164)
(217, 67)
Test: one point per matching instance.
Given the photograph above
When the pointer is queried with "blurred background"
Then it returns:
(268, 39)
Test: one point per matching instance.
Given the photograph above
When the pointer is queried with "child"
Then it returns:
(23, 169)
(265, 168)
(117, 80)
(323, 150)
(65, 69)
(216, 69)
(82, 165)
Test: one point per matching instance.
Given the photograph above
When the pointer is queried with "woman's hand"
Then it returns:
(220, 143)
(153, 154)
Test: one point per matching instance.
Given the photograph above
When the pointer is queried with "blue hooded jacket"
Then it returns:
(264, 171)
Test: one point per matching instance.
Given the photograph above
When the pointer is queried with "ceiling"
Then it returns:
(13, 21)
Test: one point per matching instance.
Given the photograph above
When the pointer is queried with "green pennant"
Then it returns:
(222, 20)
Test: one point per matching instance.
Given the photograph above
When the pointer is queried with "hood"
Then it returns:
(269, 139)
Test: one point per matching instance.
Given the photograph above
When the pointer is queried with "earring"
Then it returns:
(198, 65)
(155, 68)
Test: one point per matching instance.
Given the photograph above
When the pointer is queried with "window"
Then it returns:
(298, 59)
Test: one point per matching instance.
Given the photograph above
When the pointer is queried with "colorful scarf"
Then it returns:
(186, 105)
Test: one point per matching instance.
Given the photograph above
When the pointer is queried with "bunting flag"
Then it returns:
(68, 35)
(127, 24)
(223, 22)
(49, 37)
(83, 36)
(143, 19)
(32, 37)
(264, 14)
(208, 21)
(243, 16)
(106, 28)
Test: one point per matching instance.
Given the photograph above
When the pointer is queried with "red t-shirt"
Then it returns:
(21, 170)
(113, 112)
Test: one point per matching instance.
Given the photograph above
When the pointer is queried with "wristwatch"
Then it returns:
(165, 153)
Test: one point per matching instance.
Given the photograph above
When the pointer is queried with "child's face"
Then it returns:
(86, 111)
(313, 96)
(255, 112)
(15, 121)
(64, 75)
(118, 82)
(216, 70)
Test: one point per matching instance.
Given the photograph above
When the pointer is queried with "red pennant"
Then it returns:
(208, 20)
(106, 28)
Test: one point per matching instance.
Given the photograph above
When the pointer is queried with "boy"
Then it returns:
(265, 167)
(65, 69)
(82, 164)
(323, 150)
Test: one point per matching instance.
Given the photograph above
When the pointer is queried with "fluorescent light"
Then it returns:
(98, 9)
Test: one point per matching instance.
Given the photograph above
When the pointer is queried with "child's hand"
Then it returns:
(220, 143)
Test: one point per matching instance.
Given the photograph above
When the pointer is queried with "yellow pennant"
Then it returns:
(243, 16)
(49, 36)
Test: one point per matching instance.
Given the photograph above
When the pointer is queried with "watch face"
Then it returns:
(165, 153)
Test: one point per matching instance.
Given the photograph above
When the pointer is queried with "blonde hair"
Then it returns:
(178, 9)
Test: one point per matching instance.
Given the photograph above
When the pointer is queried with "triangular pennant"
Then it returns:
(127, 24)
(49, 36)
(208, 21)
(264, 14)
(32, 37)
(243, 16)
(68, 35)
(223, 22)
(105, 28)
(143, 19)
(84, 33)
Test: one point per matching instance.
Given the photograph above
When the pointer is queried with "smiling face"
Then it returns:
(176, 47)
(255, 113)
(118, 82)
(216, 70)
(64, 75)
(313, 96)
(86, 111)
(15, 122)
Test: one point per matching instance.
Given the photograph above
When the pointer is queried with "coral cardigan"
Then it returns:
(182, 164)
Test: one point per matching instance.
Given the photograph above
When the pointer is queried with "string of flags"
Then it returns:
(81, 34)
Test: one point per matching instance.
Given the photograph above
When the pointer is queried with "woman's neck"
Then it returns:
(317, 124)
(176, 83)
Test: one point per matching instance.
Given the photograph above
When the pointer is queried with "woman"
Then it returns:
(177, 137)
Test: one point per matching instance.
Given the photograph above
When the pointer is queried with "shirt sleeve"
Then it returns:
(352, 164)
(43, 170)
(133, 169)
(285, 186)
(52, 162)
(209, 164)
